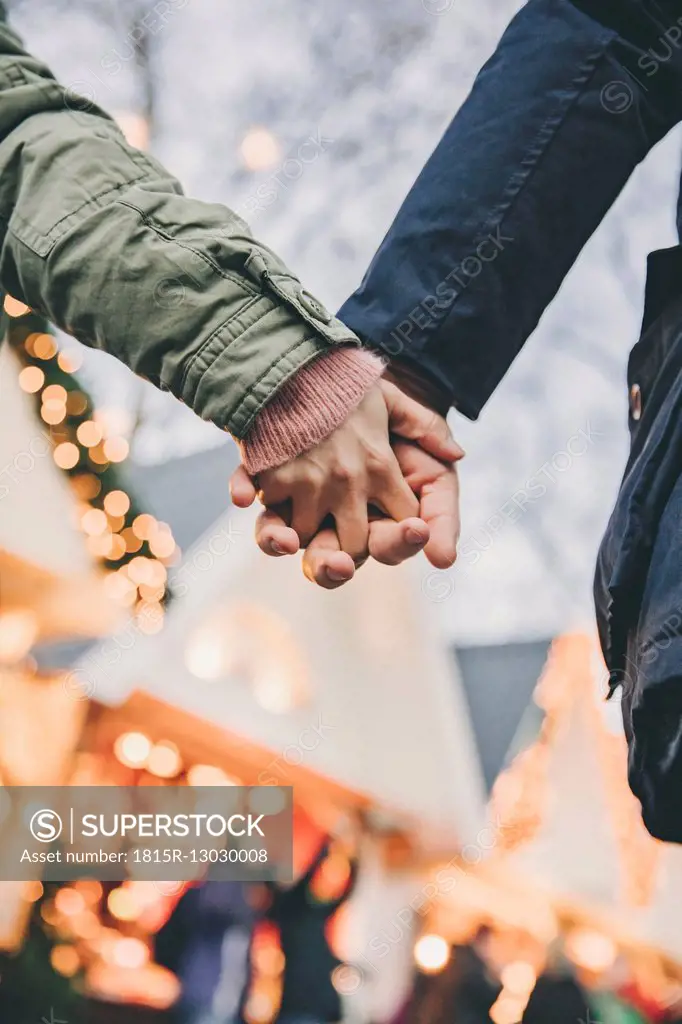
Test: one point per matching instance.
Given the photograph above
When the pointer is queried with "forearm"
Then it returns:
(555, 124)
(97, 237)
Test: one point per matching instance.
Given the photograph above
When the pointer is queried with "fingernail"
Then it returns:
(277, 548)
(458, 450)
(413, 536)
(337, 576)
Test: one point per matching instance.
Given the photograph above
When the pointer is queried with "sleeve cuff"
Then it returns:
(310, 406)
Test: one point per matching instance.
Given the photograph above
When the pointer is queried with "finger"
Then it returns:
(242, 488)
(440, 509)
(307, 515)
(273, 536)
(414, 421)
(392, 543)
(352, 526)
(390, 491)
(438, 488)
(325, 563)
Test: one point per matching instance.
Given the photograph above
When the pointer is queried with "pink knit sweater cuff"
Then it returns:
(310, 406)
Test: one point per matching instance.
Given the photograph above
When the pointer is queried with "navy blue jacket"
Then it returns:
(574, 97)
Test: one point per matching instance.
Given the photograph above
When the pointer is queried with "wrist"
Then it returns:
(310, 406)
(419, 384)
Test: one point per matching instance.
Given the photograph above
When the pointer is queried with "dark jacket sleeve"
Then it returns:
(574, 97)
(98, 238)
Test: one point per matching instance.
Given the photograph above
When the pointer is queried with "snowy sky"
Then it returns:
(376, 84)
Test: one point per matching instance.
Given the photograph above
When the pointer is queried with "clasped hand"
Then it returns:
(382, 485)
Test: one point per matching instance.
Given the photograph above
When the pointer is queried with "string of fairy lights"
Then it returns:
(133, 547)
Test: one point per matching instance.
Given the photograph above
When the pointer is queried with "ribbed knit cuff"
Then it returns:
(310, 406)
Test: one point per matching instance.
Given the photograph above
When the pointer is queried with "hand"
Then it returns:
(432, 480)
(437, 532)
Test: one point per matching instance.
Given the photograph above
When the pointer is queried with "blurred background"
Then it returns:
(466, 847)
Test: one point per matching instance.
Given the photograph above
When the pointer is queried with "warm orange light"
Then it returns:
(164, 760)
(151, 595)
(44, 346)
(260, 1008)
(116, 503)
(117, 549)
(119, 587)
(89, 434)
(29, 342)
(144, 526)
(99, 547)
(116, 449)
(204, 655)
(53, 413)
(591, 950)
(69, 902)
(208, 775)
(65, 960)
(138, 570)
(518, 977)
(15, 308)
(163, 546)
(66, 455)
(135, 127)
(156, 574)
(18, 633)
(53, 401)
(272, 689)
(145, 894)
(49, 913)
(162, 543)
(130, 953)
(132, 749)
(260, 149)
(33, 892)
(31, 379)
(268, 959)
(94, 522)
(76, 403)
(90, 889)
(69, 362)
(507, 1010)
(123, 905)
(132, 542)
(149, 617)
(86, 925)
(431, 953)
(97, 455)
(86, 486)
(55, 393)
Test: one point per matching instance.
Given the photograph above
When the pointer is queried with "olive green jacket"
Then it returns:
(98, 238)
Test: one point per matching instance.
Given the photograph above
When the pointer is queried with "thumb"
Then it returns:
(416, 422)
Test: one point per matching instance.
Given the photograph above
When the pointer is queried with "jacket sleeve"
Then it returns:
(98, 238)
(576, 94)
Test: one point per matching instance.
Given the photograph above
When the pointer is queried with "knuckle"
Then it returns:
(433, 424)
(315, 477)
(343, 473)
(380, 462)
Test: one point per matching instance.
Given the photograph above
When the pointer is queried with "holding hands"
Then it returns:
(382, 485)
